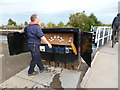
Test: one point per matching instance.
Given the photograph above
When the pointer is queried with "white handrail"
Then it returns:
(102, 34)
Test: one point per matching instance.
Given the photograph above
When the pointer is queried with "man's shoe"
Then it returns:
(34, 73)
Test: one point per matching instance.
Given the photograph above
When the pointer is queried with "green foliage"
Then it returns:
(83, 21)
(94, 21)
(25, 23)
(51, 24)
(11, 22)
(42, 25)
(61, 24)
(79, 20)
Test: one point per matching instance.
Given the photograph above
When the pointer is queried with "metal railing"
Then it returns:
(103, 35)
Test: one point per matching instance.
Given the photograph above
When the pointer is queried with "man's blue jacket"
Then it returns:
(34, 33)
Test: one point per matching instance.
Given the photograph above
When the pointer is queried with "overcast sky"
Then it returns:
(56, 10)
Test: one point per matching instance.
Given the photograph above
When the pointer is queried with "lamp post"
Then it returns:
(83, 24)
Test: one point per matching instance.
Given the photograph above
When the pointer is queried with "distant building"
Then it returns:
(12, 27)
(119, 7)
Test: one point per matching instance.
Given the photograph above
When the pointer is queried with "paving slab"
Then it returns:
(46, 77)
(23, 74)
(69, 78)
(17, 82)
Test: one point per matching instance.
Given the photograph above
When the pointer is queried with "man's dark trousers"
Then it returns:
(36, 58)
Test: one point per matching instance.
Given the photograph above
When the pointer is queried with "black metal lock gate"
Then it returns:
(17, 43)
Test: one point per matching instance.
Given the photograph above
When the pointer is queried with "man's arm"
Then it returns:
(24, 30)
(40, 34)
(45, 40)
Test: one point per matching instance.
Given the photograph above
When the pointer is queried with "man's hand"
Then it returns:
(45, 40)
(22, 31)
(49, 45)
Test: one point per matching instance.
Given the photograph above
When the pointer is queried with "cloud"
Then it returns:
(48, 10)
(51, 6)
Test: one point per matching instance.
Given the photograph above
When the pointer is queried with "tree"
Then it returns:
(79, 20)
(42, 25)
(11, 22)
(25, 23)
(61, 24)
(51, 24)
(94, 21)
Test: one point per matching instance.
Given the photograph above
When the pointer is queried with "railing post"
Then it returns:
(98, 40)
(96, 36)
(104, 28)
(111, 33)
(108, 36)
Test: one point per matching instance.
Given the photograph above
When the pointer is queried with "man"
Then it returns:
(116, 29)
(35, 35)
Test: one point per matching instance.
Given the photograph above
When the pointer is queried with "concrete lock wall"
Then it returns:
(10, 65)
